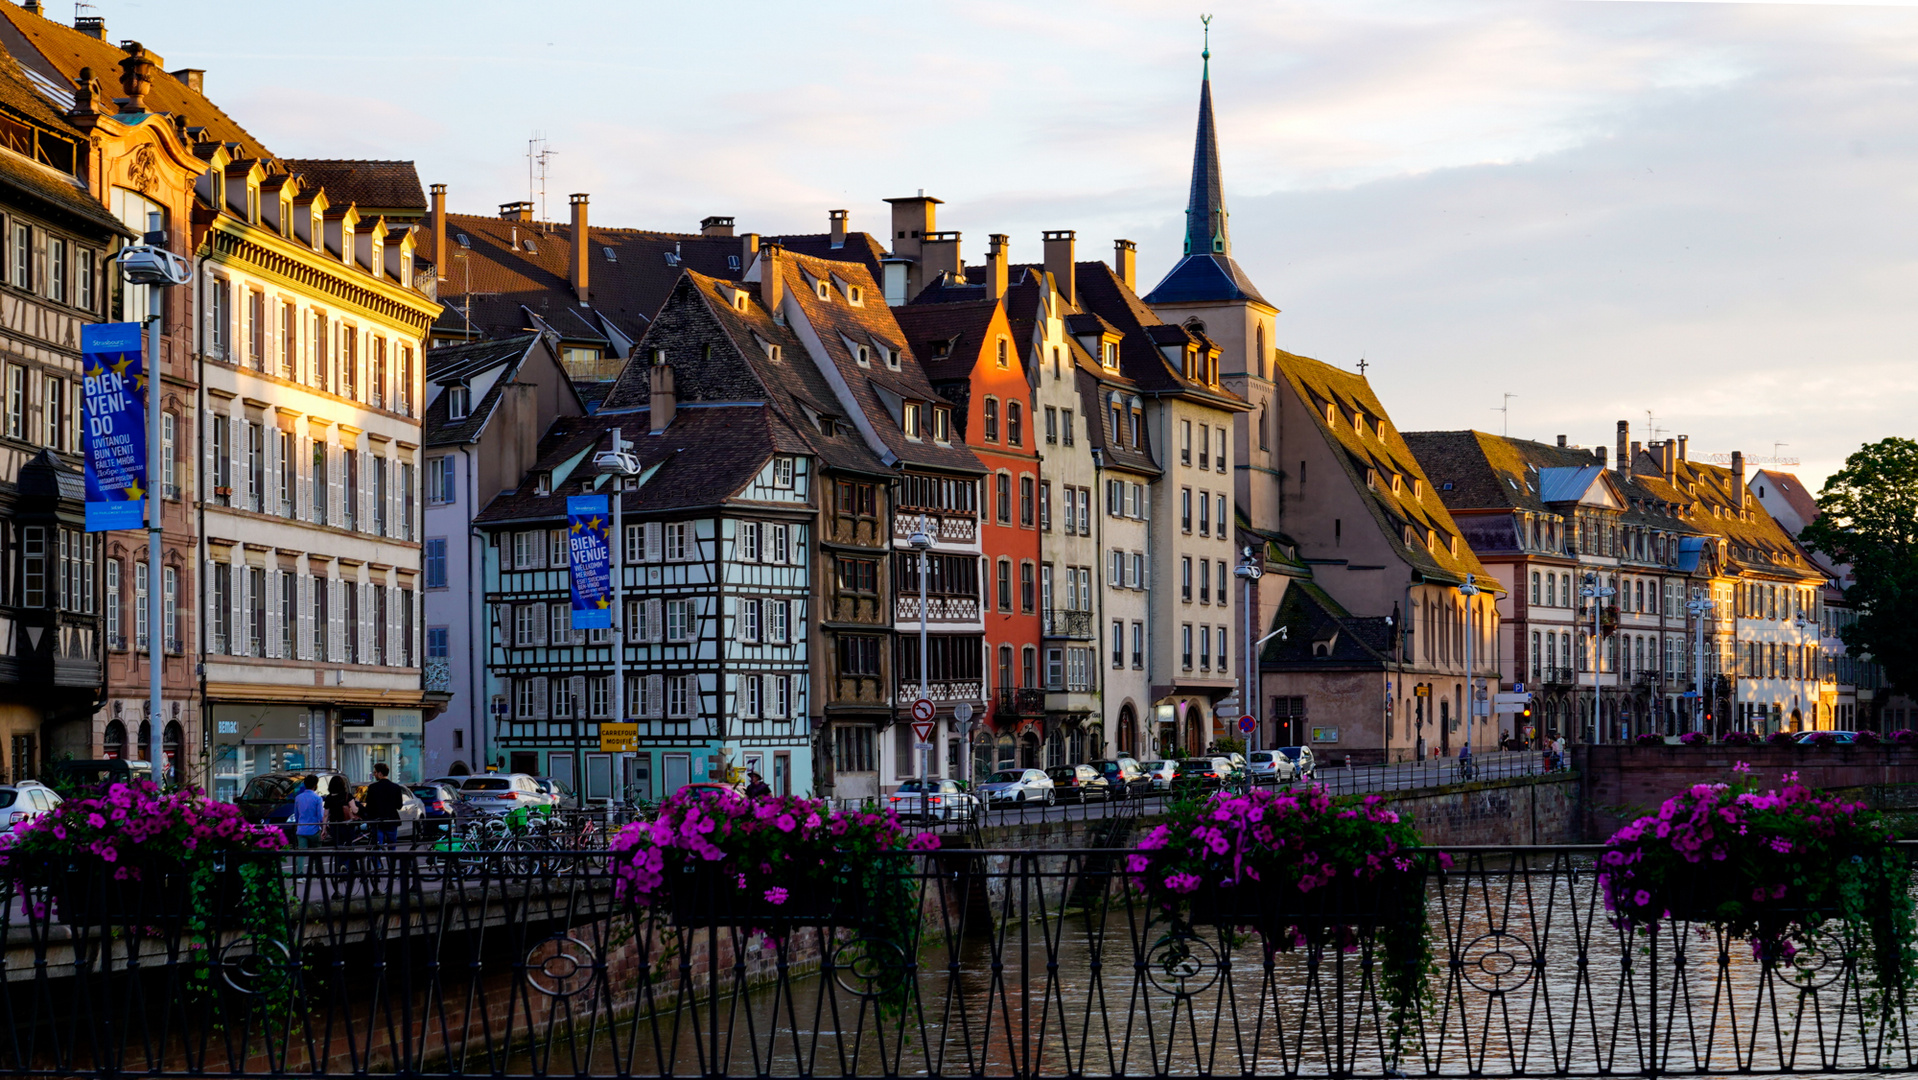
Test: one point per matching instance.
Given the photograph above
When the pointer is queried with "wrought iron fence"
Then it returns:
(1010, 963)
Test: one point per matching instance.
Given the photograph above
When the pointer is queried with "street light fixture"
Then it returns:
(1469, 590)
(1596, 590)
(619, 463)
(1802, 623)
(921, 541)
(152, 265)
(1249, 572)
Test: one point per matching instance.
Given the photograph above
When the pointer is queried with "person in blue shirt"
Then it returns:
(309, 814)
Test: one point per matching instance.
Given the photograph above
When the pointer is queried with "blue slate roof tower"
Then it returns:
(1207, 271)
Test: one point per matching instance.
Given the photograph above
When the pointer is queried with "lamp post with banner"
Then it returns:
(1249, 572)
(620, 463)
(1699, 607)
(921, 541)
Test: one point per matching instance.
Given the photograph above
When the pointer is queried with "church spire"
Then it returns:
(1205, 215)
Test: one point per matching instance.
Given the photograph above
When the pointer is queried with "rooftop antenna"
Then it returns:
(1777, 457)
(538, 152)
(1505, 430)
(1651, 424)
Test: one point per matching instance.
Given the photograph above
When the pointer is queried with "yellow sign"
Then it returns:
(618, 738)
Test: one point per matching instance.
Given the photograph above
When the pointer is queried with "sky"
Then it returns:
(1696, 217)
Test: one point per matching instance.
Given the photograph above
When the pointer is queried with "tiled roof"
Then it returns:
(1100, 291)
(65, 51)
(1792, 490)
(1380, 448)
(1319, 633)
(1754, 540)
(373, 186)
(464, 361)
(947, 337)
(58, 190)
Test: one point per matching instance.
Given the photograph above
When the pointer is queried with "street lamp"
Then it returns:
(1803, 624)
(1699, 607)
(1469, 590)
(921, 541)
(1249, 572)
(619, 463)
(1596, 591)
(150, 264)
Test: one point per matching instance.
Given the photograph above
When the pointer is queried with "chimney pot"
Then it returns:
(940, 254)
(1667, 460)
(748, 250)
(1125, 259)
(1059, 245)
(662, 399)
(1738, 479)
(1681, 447)
(1561, 442)
(516, 211)
(1600, 452)
(837, 225)
(440, 257)
(716, 225)
(32, 7)
(996, 266)
(1624, 462)
(582, 247)
(93, 26)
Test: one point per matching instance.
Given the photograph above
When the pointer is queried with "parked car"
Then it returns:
(1835, 737)
(1079, 783)
(1268, 767)
(1198, 773)
(439, 800)
(503, 793)
(1303, 763)
(24, 801)
(933, 800)
(96, 773)
(1018, 786)
(1125, 777)
(268, 797)
(561, 792)
(1160, 773)
(412, 809)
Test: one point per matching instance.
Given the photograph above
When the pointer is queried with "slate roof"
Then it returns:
(947, 337)
(48, 186)
(1204, 278)
(1382, 448)
(451, 362)
(1207, 271)
(1754, 541)
(386, 187)
(1322, 634)
(1100, 291)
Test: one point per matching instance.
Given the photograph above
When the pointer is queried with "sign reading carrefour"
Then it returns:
(590, 557)
(115, 391)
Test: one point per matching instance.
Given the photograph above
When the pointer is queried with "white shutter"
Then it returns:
(302, 463)
(394, 651)
(542, 697)
(655, 620)
(364, 512)
(332, 492)
(242, 609)
(270, 444)
(580, 704)
(212, 610)
(367, 626)
(236, 455)
(271, 646)
(332, 628)
(652, 541)
(303, 618)
(655, 696)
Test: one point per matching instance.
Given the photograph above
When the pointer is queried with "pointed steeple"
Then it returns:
(1205, 215)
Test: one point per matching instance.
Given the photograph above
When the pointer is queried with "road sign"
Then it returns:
(922, 731)
(962, 712)
(922, 710)
(618, 738)
(1516, 697)
(1422, 690)
(1518, 688)
(1248, 723)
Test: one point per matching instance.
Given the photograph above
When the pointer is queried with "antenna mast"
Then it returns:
(1505, 411)
(538, 153)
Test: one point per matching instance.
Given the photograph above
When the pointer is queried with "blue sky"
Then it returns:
(1700, 211)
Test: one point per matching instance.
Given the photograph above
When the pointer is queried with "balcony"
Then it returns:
(1072, 625)
(939, 609)
(942, 690)
(1019, 702)
(438, 677)
(945, 528)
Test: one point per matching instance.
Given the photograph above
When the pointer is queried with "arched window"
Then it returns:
(1258, 358)
(114, 745)
(1263, 444)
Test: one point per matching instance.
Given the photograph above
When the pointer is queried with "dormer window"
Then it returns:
(459, 401)
(611, 255)
(1110, 358)
(855, 296)
(1372, 479)
(1358, 423)
(1329, 417)
(910, 420)
(942, 424)
(379, 260)
(1453, 543)
(864, 355)
(530, 249)
(739, 300)
(1418, 490)
(775, 353)
(892, 357)
(1397, 483)
(543, 484)
(732, 262)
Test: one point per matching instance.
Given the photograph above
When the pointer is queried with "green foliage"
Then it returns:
(1230, 744)
(1868, 517)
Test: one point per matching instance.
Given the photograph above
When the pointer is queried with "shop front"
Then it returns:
(374, 736)
(249, 740)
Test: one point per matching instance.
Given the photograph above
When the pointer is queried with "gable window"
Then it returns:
(1004, 358)
(783, 472)
(1065, 421)
(1052, 425)
(990, 411)
(911, 422)
(942, 424)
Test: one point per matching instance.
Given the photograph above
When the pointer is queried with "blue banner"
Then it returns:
(115, 393)
(590, 556)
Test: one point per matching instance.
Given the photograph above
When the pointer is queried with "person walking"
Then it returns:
(342, 812)
(384, 799)
(756, 786)
(309, 819)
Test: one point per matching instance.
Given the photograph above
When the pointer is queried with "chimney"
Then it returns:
(748, 250)
(1561, 442)
(1125, 262)
(664, 401)
(516, 211)
(93, 26)
(1635, 449)
(1624, 462)
(136, 76)
(715, 226)
(31, 7)
(1059, 264)
(1681, 447)
(996, 266)
(1668, 460)
(582, 246)
(837, 226)
(193, 79)
(1599, 452)
(941, 254)
(1738, 479)
(772, 281)
(912, 219)
(440, 257)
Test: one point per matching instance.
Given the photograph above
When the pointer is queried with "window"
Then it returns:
(859, 500)
(1185, 509)
(1025, 501)
(679, 620)
(1026, 601)
(114, 640)
(1014, 427)
(22, 257)
(989, 410)
(1003, 483)
(376, 374)
(678, 541)
(778, 621)
(1205, 515)
(1118, 644)
(1052, 425)
(1185, 646)
(911, 422)
(1218, 452)
(1185, 442)
(288, 333)
(859, 655)
(942, 424)
(1218, 502)
(856, 575)
(679, 696)
(1065, 420)
(1185, 578)
(1004, 355)
(83, 279)
(1005, 585)
(557, 556)
(748, 620)
(1045, 505)
(57, 269)
(16, 402)
(436, 562)
(782, 544)
(1219, 633)
(749, 546)
(1205, 649)
(1205, 581)
(1085, 511)
(439, 480)
(53, 408)
(170, 455)
(458, 401)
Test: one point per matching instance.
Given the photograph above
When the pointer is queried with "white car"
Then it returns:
(1018, 786)
(939, 800)
(503, 793)
(1161, 773)
(24, 801)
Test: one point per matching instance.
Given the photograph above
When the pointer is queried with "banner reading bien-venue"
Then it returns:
(115, 391)
(590, 557)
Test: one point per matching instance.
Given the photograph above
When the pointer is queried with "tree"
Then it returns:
(1868, 517)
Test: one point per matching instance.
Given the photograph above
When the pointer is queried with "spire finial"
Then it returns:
(1206, 22)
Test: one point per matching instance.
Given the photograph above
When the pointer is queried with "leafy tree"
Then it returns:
(1868, 517)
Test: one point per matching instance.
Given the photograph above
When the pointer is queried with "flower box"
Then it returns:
(1355, 903)
(702, 894)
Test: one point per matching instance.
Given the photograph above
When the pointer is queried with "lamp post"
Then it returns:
(1803, 624)
(921, 541)
(1469, 591)
(619, 463)
(1699, 607)
(149, 263)
(1249, 572)
(1596, 591)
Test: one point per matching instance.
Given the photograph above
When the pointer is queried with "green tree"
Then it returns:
(1868, 517)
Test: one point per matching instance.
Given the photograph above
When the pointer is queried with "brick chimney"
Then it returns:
(772, 280)
(1059, 262)
(193, 79)
(1738, 479)
(663, 399)
(716, 225)
(836, 225)
(1125, 262)
(582, 247)
(93, 26)
(1668, 459)
(516, 211)
(1624, 462)
(136, 77)
(1681, 447)
(912, 219)
(996, 266)
(440, 256)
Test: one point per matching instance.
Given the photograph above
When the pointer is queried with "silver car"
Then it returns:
(1017, 786)
(24, 801)
(1161, 773)
(936, 800)
(503, 793)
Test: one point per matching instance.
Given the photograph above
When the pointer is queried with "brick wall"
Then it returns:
(1517, 810)
(1619, 783)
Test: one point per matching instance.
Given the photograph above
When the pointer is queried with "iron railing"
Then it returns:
(988, 963)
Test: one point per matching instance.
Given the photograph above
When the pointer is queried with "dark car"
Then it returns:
(95, 774)
(1081, 783)
(1126, 778)
(560, 791)
(438, 799)
(1199, 773)
(268, 797)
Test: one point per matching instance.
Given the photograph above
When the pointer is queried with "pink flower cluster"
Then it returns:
(134, 823)
(1304, 836)
(757, 837)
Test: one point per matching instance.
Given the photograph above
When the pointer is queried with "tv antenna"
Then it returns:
(1651, 425)
(538, 153)
(1505, 411)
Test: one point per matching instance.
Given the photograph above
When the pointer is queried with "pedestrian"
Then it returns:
(756, 786)
(342, 812)
(384, 800)
(309, 818)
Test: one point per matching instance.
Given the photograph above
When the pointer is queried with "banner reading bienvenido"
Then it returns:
(590, 556)
(115, 392)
